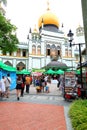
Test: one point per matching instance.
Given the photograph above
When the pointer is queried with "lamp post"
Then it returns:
(28, 38)
(70, 35)
(28, 51)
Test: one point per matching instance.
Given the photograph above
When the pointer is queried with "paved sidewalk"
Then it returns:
(20, 115)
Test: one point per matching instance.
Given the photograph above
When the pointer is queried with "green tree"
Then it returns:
(4, 2)
(8, 38)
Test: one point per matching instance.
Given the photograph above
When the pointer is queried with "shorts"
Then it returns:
(18, 86)
(7, 89)
(47, 88)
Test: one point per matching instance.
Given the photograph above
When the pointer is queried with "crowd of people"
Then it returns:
(23, 82)
(41, 84)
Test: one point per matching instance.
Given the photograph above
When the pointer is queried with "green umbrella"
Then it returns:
(59, 71)
(18, 72)
(24, 71)
(50, 71)
(77, 71)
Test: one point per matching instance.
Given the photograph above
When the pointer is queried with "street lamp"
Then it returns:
(28, 49)
(28, 52)
(70, 35)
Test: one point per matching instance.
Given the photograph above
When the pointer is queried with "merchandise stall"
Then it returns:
(4, 70)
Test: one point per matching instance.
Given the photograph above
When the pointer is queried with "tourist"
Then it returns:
(23, 86)
(27, 82)
(2, 86)
(47, 86)
(7, 84)
(18, 86)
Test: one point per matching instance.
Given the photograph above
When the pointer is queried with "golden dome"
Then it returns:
(48, 18)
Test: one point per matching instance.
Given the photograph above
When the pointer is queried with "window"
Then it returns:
(39, 50)
(66, 52)
(48, 52)
(18, 52)
(34, 50)
(58, 52)
(70, 53)
(24, 53)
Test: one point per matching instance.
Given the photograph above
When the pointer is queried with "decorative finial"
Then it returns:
(62, 25)
(48, 8)
(30, 30)
(35, 30)
(42, 22)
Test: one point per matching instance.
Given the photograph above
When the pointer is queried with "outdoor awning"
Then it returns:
(6, 67)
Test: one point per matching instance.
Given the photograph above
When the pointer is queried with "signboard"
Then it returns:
(70, 80)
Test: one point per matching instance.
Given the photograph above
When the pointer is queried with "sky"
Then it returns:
(25, 14)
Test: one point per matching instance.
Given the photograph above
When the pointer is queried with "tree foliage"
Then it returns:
(8, 38)
(4, 2)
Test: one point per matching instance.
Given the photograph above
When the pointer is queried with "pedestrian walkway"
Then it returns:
(20, 115)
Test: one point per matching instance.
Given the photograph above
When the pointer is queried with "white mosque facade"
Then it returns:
(43, 45)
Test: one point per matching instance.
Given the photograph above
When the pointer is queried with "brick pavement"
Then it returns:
(28, 116)
(32, 116)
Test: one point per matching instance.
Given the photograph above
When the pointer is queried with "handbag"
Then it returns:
(22, 85)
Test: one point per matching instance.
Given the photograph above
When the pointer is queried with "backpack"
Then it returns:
(28, 81)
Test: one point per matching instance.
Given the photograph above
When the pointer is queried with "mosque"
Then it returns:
(45, 44)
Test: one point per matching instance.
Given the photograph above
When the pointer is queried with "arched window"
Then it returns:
(58, 47)
(39, 50)
(18, 52)
(48, 50)
(8, 63)
(53, 47)
(66, 52)
(70, 53)
(20, 66)
(59, 50)
(33, 49)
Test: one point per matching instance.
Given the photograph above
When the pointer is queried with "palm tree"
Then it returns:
(4, 2)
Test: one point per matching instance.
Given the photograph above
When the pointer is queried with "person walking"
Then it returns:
(7, 84)
(2, 86)
(18, 86)
(23, 86)
(43, 83)
(27, 82)
(47, 90)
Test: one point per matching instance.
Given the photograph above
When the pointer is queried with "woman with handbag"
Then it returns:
(18, 86)
(23, 86)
